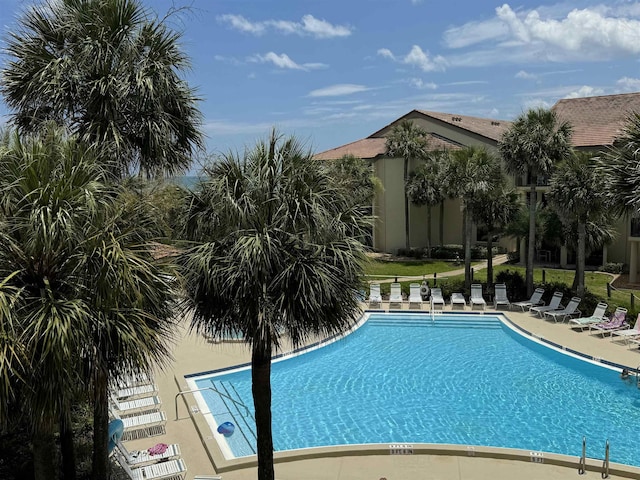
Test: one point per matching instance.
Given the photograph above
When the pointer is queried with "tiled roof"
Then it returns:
(597, 121)
(365, 148)
(369, 148)
(486, 127)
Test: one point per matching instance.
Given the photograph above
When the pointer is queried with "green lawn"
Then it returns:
(409, 268)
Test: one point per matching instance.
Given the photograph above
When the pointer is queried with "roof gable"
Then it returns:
(370, 148)
(485, 127)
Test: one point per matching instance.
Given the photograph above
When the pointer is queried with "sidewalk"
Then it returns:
(497, 260)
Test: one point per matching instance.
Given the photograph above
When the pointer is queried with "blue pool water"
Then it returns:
(466, 380)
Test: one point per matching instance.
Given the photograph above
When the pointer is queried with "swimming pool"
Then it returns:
(461, 379)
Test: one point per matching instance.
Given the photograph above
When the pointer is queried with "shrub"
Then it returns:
(515, 282)
(612, 267)
(513, 257)
(450, 286)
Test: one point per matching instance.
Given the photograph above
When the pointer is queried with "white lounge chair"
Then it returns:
(168, 469)
(143, 425)
(568, 312)
(534, 301)
(437, 298)
(476, 296)
(597, 316)
(375, 298)
(554, 304)
(395, 296)
(415, 297)
(629, 334)
(618, 322)
(138, 405)
(143, 457)
(500, 298)
(131, 393)
(458, 299)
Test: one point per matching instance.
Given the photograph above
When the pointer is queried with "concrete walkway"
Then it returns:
(193, 354)
(497, 260)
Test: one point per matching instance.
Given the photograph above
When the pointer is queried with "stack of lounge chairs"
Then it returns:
(134, 400)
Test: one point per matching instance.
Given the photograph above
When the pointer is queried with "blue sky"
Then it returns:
(332, 72)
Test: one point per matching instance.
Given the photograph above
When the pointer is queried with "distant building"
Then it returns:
(596, 122)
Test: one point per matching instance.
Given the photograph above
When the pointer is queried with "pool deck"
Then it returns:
(193, 354)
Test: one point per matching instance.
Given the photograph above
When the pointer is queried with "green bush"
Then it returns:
(515, 282)
(513, 257)
(612, 267)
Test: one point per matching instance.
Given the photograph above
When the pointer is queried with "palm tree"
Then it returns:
(110, 72)
(425, 187)
(356, 176)
(618, 167)
(577, 195)
(91, 300)
(277, 260)
(409, 142)
(536, 141)
(472, 171)
(494, 210)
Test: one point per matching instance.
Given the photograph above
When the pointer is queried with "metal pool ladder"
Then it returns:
(583, 459)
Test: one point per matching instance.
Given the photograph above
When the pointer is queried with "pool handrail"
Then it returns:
(214, 390)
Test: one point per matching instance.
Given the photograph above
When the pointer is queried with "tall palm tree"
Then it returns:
(277, 260)
(619, 168)
(494, 209)
(110, 72)
(425, 188)
(409, 142)
(91, 300)
(472, 171)
(577, 195)
(534, 143)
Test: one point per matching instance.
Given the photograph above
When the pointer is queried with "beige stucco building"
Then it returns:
(596, 122)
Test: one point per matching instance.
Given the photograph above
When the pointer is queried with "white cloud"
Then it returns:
(475, 32)
(417, 58)
(420, 84)
(238, 22)
(284, 61)
(551, 34)
(338, 90)
(308, 26)
(627, 84)
(525, 75)
(386, 53)
(585, 91)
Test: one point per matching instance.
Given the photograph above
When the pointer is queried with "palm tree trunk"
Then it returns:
(428, 231)
(580, 259)
(532, 236)
(100, 467)
(467, 248)
(43, 454)
(406, 206)
(442, 223)
(67, 448)
(489, 259)
(261, 389)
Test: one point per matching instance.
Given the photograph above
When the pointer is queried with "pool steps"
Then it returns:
(225, 407)
(439, 321)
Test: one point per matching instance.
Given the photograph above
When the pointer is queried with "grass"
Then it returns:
(409, 268)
